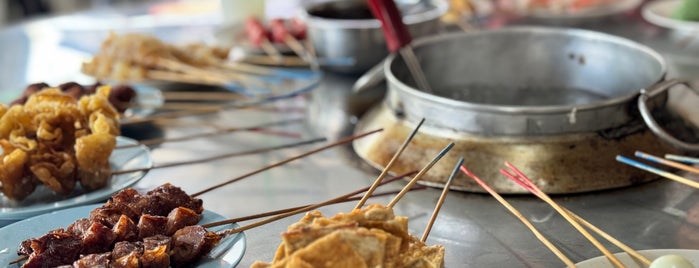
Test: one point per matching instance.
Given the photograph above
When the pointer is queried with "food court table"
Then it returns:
(475, 229)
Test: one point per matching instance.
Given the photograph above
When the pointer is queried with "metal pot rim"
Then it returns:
(440, 8)
(509, 109)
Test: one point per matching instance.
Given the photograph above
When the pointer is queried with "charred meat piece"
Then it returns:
(150, 225)
(72, 89)
(179, 218)
(34, 88)
(165, 198)
(125, 229)
(98, 238)
(94, 260)
(53, 249)
(190, 243)
(127, 254)
(121, 97)
(156, 251)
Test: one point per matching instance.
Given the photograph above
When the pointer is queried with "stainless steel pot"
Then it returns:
(559, 103)
(339, 31)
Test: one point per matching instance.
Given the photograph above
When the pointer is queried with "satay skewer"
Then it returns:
(666, 162)
(657, 171)
(683, 159)
(388, 166)
(218, 132)
(520, 217)
(178, 114)
(339, 142)
(400, 194)
(202, 96)
(302, 208)
(420, 174)
(525, 182)
(633, 253)
(294, 212)
(442, 197)
(222, 156)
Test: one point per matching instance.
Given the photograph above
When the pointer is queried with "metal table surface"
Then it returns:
(475, 229)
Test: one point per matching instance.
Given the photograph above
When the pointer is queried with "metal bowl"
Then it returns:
(346, 30)
(558, 103)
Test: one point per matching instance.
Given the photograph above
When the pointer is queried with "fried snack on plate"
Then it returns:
(368, 237)
(56, 140)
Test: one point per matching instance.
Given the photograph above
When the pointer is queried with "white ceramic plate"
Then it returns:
(43, 200)
(660, 14)
(602, 262)
(227, 254)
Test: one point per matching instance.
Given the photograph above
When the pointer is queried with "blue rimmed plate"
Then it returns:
(227, 254)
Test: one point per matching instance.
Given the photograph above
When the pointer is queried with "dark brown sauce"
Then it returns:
(348, 10)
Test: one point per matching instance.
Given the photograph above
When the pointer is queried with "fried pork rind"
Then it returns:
(55, 140)
(370, 237)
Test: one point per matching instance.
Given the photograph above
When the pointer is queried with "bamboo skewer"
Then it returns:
(420, 174)
(218, 157)
(202, 96)
(339, 142)
(633, 253)
(291, 213)
(299, 208)
(666, 162)
(522, 180)
(178, 114)
(270, 49)
(683, 159)
(390, 163)
(442, 198)
(657, 171)
(209, 134)
(277, 212)
(521, 218)
(284, 61)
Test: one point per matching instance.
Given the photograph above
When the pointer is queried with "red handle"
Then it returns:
(394, 30)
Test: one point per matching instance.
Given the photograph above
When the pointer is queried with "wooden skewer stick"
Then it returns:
(202, 96)
(666, 162)
(209, 134)
(522, 180)
(339, 142)
(386, 169)
(284, 61)
(633, 253)
(442, 197)
(419, 175)
(301, 51)
(270, 50)
(217, 157)
(683, 159)
(299, 208)
(18, 260)
(291, 213)
(178, 114)
(657, 171)
(520, 217)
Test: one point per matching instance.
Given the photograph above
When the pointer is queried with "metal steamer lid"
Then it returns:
(617, 65)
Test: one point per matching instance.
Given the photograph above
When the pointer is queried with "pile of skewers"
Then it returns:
(159, 229)
(136, 57)
(585, 227)
(275, 37)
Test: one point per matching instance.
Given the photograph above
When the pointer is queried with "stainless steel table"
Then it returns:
(475, 229)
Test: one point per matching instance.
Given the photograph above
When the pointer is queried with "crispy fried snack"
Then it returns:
(369, 237)
(55, 140)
